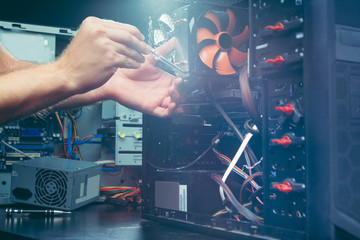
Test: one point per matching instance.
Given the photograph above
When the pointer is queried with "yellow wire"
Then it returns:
(247, 204)
(58, 118)
(220, 212)
(74, 123)
(75, 131)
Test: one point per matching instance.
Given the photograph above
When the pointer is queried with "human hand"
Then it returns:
(98, 49)
(147, 88)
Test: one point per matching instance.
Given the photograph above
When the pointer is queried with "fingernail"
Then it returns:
(142, 37)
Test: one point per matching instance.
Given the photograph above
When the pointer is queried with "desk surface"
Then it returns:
(94, 221)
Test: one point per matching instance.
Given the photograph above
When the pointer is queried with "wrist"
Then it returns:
(65, 77)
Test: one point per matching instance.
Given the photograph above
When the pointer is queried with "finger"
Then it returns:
(125, 62)
(122, 26)
(174, 94)
(162, 112)
(166, 48)
(178, 81)
(173, 90)
(166, 102)
(171, 108)
(125, 38)
(131, 53)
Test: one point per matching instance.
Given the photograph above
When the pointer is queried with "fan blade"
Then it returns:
(214, 19)
(231, 25)
(208, 53)
(241, 38)
(237, 58)
(203, 33)
(222, 64)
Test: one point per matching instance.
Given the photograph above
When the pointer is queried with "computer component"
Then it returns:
(296, 177)
(34, 136)
(218, 41)
(5, 184)
(28, 138)
(55, 182)
(122, 130)
(210, 39)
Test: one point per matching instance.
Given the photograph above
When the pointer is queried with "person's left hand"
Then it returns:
(146, 89)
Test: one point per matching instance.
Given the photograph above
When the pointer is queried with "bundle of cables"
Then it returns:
(122, 195)
(226, 194)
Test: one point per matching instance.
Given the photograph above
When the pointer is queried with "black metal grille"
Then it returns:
(51, 188)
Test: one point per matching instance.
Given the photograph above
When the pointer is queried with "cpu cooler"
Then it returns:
(212, 41)
(219, 36)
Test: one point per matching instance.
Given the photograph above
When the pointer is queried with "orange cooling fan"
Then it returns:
(219, 48)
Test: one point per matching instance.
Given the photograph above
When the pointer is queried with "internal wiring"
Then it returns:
(249, 128)
(246, 96)
(105, 162)
(249, 179)
(235, 129)
(251, 167)
(225, 160)
(185, 166)
(69, 142)
(122, 195)
(79, 114)
(87, 139)
(223, 211)
(16, 150)
(234, 161)
(228, 120)
(237, 156)
(240, 208)
(248, 163)
(63, 135)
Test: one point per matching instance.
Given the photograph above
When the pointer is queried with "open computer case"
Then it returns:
(275, 86)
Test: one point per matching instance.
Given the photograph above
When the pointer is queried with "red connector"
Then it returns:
(285, 141)
(288, 185)
(278, 60)
(283, 187)
(288, 109)
(278, 27)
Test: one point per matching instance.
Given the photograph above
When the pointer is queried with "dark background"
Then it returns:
(69, 14)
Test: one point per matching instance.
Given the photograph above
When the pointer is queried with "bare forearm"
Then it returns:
(30, 90)
(80, 100)
(9, 64)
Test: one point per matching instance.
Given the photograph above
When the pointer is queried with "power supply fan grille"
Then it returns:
(50, 187)
(220, 36)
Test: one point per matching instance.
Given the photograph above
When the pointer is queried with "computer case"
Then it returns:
(303, 77)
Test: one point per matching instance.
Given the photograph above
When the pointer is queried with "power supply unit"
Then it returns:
(55, 182)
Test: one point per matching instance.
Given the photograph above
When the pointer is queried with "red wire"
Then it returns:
(77, 147)
(63, 136)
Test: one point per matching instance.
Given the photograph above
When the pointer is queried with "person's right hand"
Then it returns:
(98, 49)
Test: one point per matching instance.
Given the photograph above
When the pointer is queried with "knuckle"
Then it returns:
(127, 37)
(96, 31)
(112, 57)
(89, 20)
